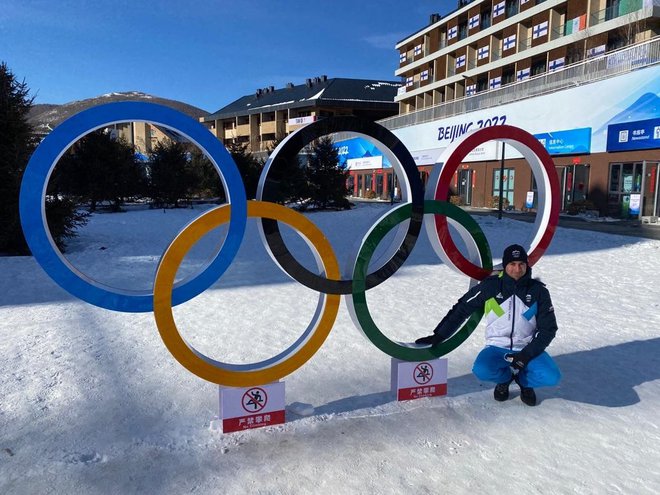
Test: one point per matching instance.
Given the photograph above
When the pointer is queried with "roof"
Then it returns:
(315, 92)
(437, 19)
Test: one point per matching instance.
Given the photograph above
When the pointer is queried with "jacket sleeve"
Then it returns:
(546, 326)
(470, 302)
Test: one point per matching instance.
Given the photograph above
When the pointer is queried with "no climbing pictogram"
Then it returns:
(254, 400)
(423, 373)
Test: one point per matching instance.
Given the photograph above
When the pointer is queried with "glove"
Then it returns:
(517, 359)
(430, 340)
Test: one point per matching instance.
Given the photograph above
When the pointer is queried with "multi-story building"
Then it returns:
(258, 121)
(583, 76)
(144, 136)
(491, 43)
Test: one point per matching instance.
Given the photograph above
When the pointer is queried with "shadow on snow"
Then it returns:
(606, 376)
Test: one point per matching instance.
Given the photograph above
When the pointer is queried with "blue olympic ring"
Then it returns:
(46, 156)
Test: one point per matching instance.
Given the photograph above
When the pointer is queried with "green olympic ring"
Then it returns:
(358, 302)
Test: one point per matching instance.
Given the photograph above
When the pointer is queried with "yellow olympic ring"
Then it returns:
(247, 375)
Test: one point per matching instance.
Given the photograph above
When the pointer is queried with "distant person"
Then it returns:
(520, 324)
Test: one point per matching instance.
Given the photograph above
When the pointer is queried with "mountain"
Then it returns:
(46, 117)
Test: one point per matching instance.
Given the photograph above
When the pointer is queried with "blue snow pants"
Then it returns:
(490, 366)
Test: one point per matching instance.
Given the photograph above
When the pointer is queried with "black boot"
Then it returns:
(501, 392)
(527, 394)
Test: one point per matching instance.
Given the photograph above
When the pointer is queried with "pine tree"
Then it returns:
(206, 178)
(17, 143)
(248, 166)
(326, 178)
(171, 175)
(286, 181)
(16, 146)
(99, 168)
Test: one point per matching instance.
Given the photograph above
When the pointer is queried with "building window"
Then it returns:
(462, 30)
(611, 9)
(508, 180)
(511, 8)
(625, 179)
(482, 84)
(615, 40)
(508, 75)
(538, 67)
(485, 19)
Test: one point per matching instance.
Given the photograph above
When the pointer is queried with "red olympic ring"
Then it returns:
(535, 154)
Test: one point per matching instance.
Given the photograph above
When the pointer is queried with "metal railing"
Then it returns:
(604, 66)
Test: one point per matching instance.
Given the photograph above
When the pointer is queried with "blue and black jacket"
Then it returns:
(519, 314)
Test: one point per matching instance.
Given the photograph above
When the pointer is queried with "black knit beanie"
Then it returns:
(514, 252)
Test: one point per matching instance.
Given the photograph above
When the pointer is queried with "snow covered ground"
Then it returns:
(92, 402)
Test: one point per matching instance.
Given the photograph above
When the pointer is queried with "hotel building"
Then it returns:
(583, 76)
(260, 120)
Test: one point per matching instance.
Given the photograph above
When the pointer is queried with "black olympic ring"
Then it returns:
(288, 151)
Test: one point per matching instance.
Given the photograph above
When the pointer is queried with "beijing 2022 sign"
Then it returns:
(429, 210)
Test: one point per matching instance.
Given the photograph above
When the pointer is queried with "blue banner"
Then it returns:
(359, 148)
(568, 142)
(640, 135)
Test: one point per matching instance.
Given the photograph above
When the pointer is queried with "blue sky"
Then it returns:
(203, 52)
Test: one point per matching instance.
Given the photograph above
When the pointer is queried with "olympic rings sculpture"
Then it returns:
(416, 209)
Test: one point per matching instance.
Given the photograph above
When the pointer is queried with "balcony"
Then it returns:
(524, 43)
(623, 8)
(242, 130)
(268, 127)
(607, 65)
(557, 32)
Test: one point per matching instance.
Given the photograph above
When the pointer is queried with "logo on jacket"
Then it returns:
(499, 296)
(528, 298)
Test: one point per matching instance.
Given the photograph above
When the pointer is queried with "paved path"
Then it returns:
(623, 227)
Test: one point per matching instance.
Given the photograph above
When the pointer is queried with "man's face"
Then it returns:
(516, 269)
